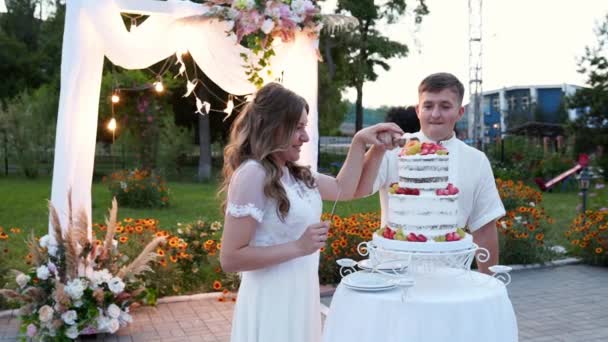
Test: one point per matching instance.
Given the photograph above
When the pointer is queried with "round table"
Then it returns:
(446, 305)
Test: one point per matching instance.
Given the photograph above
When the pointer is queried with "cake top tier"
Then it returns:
(415, 147)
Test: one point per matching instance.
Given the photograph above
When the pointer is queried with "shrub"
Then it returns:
(342, 240)
(138, 189)
(522, 229)
(588, 236)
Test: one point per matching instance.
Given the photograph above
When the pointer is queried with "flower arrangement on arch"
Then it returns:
(77, 286)
(259, 22)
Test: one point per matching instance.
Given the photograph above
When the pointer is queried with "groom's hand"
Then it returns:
(382, 135)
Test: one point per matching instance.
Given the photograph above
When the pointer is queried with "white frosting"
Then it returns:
(426, 212)
(423, 172)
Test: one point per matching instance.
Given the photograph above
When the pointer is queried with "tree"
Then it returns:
(332, 82)
(592, 102)
(31, 48)
(367, 48)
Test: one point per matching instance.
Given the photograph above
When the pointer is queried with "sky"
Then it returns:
(525, 42)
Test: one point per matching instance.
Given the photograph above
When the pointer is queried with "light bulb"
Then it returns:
(112, 125)
(115, 98)
(158, 86)
(229, 107)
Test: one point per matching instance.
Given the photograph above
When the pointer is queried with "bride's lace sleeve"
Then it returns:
(246, 192)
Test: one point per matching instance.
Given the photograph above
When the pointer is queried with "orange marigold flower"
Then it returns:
(160, 252)
(163, 262)
(173, 242)
(3, 236)
(540, 236)
(123, 239)
(599, 250)
(128, 220)
(139, 229)
(173, 258)
(160, 234)
(15, 230)
(217, 285)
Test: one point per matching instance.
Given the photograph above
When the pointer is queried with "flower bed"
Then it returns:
(588, 236)
(522, 230)
(138, 189)
(344, 236)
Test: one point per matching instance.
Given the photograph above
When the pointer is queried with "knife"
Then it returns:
(333, 209)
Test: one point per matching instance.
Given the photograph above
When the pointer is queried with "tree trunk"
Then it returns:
(204, 161)
(359, 108)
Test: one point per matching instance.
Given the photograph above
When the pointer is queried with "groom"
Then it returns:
(439, 108)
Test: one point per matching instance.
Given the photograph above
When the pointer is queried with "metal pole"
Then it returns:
(502, 148)
(112, 152)
(5, 152)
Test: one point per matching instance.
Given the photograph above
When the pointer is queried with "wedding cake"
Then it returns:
(423, 205)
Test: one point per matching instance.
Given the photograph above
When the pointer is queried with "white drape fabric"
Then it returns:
(94, 29)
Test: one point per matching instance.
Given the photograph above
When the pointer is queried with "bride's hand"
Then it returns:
(313, 238)
(382, 135)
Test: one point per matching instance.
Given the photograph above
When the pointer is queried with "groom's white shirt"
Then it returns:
(469, 170)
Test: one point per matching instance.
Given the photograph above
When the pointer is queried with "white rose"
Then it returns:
(116, 285)
(75, 288)
(267, 26)
(52, 250)
(229, 25)
(44, 241)
(100, 277)
(43, 273)
(114, 311)
(22, 280)
(45, 314)
(72, 332)
(125, 317)
(69, 317)
(113, 326)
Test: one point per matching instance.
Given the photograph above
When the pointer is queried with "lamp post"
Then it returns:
(584, 181)
(112, 128)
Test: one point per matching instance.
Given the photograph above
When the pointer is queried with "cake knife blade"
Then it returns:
(333, 209)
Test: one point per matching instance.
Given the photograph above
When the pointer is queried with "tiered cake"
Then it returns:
(423, 205)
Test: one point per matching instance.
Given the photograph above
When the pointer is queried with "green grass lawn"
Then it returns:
(24, 206)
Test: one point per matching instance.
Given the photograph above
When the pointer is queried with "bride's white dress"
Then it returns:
(279, 303)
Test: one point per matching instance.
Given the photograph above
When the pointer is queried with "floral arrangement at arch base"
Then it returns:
(259, 22)
(77, 287)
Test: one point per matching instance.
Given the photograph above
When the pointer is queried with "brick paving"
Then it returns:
(565, 303)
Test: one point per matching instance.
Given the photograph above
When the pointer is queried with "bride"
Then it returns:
(272, 229)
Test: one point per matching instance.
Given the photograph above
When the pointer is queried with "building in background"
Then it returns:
(506, 108)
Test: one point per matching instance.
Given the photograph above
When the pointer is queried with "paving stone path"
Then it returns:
(565, 303)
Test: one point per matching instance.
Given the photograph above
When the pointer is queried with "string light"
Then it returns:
(115, 98)
(229, 106)
(158, 86)
(133, 25)
(112, 125)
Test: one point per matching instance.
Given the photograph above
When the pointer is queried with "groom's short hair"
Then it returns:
(435, 83)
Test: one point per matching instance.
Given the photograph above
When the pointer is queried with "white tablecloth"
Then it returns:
(448, 305)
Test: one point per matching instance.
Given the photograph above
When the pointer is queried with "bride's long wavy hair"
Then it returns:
(265, 126)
